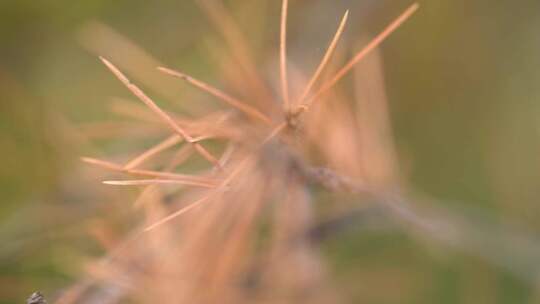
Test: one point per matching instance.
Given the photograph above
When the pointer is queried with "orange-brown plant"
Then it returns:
(237, 230)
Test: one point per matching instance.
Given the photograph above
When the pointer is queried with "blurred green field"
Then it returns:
(463, 82)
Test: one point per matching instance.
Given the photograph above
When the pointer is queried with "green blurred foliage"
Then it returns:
(462, 79)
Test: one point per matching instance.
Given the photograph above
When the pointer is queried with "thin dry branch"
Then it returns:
(222, 186)
(168, 175)
(162, 146)
(179, 158)
(147, 182)
(176, 214)
(234, 102)
(154, 107)
(140, 112)
(326, 58)
(365, 51)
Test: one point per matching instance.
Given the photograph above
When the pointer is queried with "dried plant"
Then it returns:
(236, 231)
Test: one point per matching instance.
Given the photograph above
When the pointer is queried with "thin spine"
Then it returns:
(234, 102)
(162, 146)
(154, 107)
(176, 214)
(223, 184)
(365, 51)
(326, 58)
(149, 173)
(147, 182)
(179, 158)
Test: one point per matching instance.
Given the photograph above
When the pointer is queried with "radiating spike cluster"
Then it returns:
(172, 178)
(302, 104)
(205, 226)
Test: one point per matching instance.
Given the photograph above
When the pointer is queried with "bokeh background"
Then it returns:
(463, 81)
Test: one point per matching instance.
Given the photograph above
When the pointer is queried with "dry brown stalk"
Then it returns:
(326, 58)
(154, 107)
(172, 176)
(176, 214)
(164, 145)
(146, 182)
(219, 189)
(242, 106)
(362, 54)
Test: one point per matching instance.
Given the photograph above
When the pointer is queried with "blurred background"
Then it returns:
(462, 81)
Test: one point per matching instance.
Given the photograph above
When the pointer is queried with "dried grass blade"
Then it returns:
(326, 58)
(365, 51)
(146, 182)
(223, 184)
(150, 173)
(154, 107)
(234, 102)
(162, 146)
(176, 214)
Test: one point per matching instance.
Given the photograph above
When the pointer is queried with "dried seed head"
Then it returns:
(204, 241)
